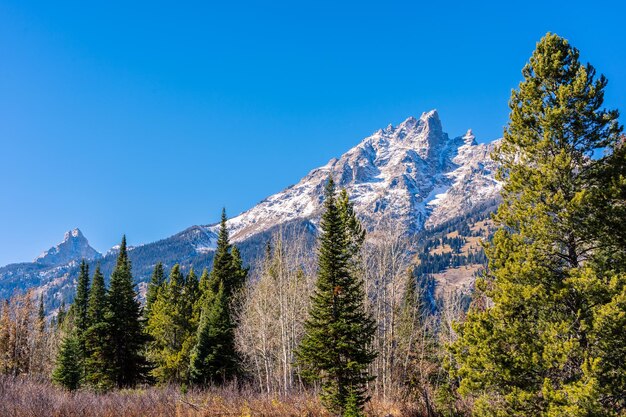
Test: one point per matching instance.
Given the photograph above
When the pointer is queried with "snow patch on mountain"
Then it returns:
(73, 248)
(413, 173)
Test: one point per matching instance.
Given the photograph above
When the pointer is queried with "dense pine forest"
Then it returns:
(355, 325)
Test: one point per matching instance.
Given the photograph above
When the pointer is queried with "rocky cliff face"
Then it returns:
(413, 173)
(73, 248)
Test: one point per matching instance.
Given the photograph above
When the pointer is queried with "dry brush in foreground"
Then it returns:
(21, 397)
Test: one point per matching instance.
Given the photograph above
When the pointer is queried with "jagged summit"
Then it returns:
(73, 248)
(413, 173)
(469, 138)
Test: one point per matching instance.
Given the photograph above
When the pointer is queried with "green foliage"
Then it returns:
(172, 327)
(61, 315)
(156, 284)
(335, 348)
(214, 357)
(81, 301)
(68, 372)
(227, 265)
(541, 337)
(355, 233)
(125, 337)
(96, 366)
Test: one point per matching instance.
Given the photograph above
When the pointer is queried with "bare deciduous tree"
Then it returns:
(273, 310)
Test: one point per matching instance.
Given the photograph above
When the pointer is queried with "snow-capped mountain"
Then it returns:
(73, 248)
(413, 173)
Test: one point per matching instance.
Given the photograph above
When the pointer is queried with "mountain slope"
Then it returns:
(413, 173)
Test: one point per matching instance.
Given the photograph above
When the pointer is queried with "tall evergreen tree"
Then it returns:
(336, 346)
(156, 284)
(69, 368)
(239, 273)
(171, 326)
(355, 232)
(97, 371)
(214, 357)
(545, 342)
(204, 289)
(191, 293)
(125, 338)
(227, 264)
(81, 299)
(78, 308)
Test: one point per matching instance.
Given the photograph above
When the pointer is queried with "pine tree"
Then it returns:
(69, 368)
(239, 273)
(545, 341)
(125, 339)
(227, 264)
(191, 294)
(97, 371)
(155, 285)
(214, 357)
(204, 289)
(81, 299)
(336, 346)
(78, 309)
(355, 233)
(171, 327)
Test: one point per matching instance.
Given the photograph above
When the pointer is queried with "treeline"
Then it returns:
(433, 263)
(543, 334)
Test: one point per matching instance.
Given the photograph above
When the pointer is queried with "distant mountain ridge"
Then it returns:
(413, 173)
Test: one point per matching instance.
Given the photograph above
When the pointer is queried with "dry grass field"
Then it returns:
(21, 397)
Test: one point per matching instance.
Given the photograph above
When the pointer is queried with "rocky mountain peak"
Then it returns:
(410, 173)
(469, 138)
(74, 247)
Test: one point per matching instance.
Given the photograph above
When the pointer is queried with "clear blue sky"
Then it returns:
(147, 117)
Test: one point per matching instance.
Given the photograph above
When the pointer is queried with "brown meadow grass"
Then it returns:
(22, 397)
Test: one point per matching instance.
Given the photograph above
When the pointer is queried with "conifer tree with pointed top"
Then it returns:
(98, 375)
(239, 273)
(125, 338)
(355, 232)
(227, 265)
(336, 348)
(68, 372)
(156, 284)
(81, 299)
(204, 289)
(171, 327)
(78, 309)
(214, 357)
(545, 342)
(191, 295)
